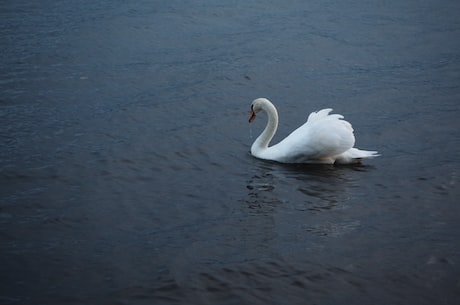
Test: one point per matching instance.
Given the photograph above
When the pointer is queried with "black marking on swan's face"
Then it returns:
(253, 114)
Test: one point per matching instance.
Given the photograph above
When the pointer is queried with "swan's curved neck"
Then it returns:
(262, 142)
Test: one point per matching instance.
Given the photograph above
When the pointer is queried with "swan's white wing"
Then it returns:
(323, 136)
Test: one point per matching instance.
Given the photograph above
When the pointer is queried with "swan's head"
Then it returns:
(257, 106)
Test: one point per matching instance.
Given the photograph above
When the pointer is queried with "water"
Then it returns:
(125, 169)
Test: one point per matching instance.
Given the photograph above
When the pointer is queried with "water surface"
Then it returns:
(125, 173)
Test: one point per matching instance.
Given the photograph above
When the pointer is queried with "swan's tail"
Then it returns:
(355, 155)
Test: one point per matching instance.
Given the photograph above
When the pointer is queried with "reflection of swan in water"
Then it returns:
(313, 187)
(325, 138)
(300, 198)
(320, 187)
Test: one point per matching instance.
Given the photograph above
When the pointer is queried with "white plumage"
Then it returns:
(324, 138)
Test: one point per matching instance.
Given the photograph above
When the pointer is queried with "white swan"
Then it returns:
(324, 138)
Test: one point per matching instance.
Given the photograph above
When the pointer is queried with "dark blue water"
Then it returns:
(125, 173)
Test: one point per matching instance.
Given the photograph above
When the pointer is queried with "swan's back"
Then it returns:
(321, 138)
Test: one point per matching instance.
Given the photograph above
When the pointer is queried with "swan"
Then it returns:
(325, 138)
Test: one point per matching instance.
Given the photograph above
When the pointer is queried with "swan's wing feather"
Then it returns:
(331, 136)
(318, 115)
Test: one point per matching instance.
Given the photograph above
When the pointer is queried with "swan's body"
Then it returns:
(324, 138)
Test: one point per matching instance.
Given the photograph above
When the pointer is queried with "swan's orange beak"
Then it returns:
(252, 117)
